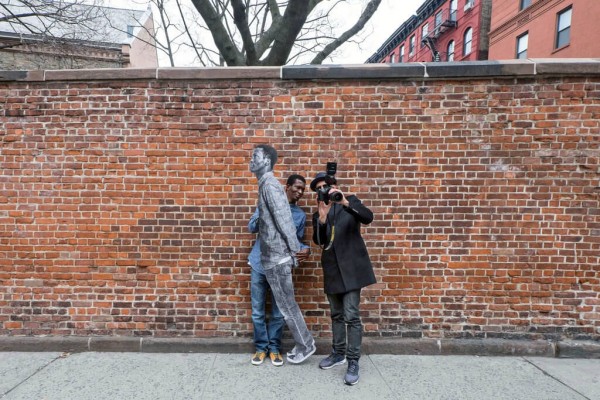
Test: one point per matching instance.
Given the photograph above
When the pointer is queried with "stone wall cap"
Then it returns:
(567, 66)
(220, 73)
(354, 71)
(22, 76)
(471, 69)
(100, 74)
(397, 71)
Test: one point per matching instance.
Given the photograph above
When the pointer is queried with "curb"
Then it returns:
(370, 345)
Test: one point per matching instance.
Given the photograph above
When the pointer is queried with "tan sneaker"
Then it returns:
(259, 357)
(276, 359)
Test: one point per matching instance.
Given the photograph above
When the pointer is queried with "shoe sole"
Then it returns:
(277, 363)
(310, 353)
(334, 365)
(349, 383)
(257, 362)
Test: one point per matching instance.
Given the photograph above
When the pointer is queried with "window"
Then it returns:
(411, 46)
(469, 4)
(468, 38)
(453, 8)
(401, 57)
(439, 19)
(563, 28)
(424, 33)
(129, 31)
(524, 4)
(450, 52)
(522, 42)
(392, 57)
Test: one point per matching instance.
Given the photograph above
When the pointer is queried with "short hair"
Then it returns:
(293, 178)
(270, 152)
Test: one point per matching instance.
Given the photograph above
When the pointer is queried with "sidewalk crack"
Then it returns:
(210, 375)
(556, 379)
(393, 392)
(37, 371)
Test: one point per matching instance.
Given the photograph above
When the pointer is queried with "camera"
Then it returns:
(323, 193)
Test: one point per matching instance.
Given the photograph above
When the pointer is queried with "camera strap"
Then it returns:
(330, 244)
(332, 236)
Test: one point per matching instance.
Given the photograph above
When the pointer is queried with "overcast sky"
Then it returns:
(388, 17)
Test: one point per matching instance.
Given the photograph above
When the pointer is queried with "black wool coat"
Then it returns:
(346, 264)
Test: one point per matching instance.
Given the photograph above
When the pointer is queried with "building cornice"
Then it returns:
(524, 16)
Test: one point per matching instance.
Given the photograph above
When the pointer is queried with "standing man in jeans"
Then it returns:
(346, 268)
(278, 248)
(267, 335)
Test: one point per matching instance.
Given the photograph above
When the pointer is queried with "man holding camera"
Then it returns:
(346, 267)
(278, 248)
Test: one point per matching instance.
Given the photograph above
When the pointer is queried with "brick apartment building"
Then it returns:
(441, 30)
(544, 29)
(105, 37)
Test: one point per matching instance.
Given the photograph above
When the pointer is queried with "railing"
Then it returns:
(443, 24)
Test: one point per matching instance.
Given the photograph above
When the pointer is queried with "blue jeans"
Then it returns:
(282, 287)
(267, 335)
(345, 323)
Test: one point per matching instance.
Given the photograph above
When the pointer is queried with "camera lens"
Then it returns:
(336, 196)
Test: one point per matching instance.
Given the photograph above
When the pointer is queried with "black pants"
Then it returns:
(345, 323)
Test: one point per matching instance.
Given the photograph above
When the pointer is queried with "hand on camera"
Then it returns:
(341, 201)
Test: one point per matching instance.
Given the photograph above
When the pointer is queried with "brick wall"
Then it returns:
(126, 194)
(65, 57)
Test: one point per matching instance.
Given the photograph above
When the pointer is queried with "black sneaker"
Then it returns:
(332, 360)
(351, 377)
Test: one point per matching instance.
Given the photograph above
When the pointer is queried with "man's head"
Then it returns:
(264, 158)
(322, 179)
(294, 188)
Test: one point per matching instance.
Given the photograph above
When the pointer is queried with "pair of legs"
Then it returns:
(282, 287)
(346, 325)
(267, 335)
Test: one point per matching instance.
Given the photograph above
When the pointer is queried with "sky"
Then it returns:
(388, 17)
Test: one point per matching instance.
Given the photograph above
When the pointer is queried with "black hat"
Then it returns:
(322, 176)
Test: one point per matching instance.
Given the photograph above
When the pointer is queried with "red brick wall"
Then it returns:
(124, 202)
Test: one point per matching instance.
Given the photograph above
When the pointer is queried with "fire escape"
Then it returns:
(444, 21)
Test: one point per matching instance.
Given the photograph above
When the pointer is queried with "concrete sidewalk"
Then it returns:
(105, 375)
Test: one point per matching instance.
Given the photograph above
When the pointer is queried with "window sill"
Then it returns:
(560, 48)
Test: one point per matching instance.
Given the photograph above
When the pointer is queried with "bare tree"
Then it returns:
(208, 32)
(68, 34)
(255, 32)
(55, 22)
(273, 32)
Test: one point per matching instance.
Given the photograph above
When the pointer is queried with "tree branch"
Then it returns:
(293, 20)
(223, 41)
(360, 24)
(240, 18)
